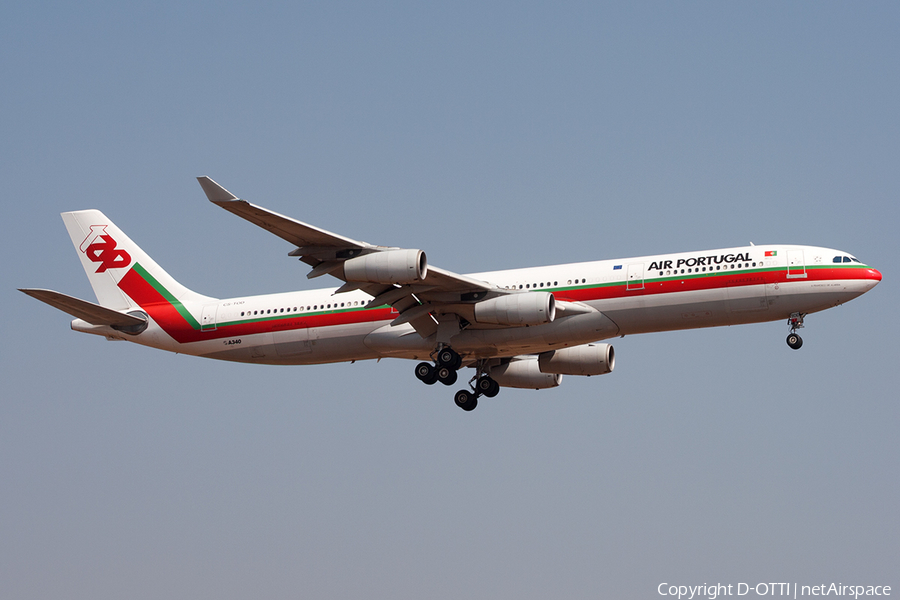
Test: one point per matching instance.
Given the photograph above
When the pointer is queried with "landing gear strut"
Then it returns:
(796, 322)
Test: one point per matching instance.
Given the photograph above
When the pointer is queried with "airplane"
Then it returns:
(520, 328)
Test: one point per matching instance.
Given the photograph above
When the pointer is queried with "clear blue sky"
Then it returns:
(491, 135)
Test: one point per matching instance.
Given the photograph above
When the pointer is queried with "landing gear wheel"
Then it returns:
(487, 386)
(450, 358)
(466, 400)
(447, 376)
(794, 341)
(426, 373)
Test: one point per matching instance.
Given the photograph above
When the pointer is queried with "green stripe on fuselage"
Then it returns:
(167, 295)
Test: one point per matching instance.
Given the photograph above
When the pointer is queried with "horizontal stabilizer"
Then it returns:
(82, 309)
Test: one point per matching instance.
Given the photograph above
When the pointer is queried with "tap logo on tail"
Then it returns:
(100, 247)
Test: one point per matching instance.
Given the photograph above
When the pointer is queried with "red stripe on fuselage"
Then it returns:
(175, 325)
(178, 328)
(710, 281)
(160, 310)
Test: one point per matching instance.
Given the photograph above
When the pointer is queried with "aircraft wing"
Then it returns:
(296, 232)
(327, 252)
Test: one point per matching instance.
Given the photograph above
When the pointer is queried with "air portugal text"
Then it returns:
(700, 261)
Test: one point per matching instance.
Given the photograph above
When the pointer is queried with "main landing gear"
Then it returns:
(444, 369)
(796, 322)
(484, 386)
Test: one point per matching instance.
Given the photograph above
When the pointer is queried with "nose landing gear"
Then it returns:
(796, 322)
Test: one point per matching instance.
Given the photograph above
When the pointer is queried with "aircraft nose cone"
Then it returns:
(872, 277)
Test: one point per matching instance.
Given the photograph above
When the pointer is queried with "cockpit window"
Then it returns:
(845, 259)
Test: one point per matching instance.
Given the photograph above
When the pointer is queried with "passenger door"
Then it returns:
(634, 279)
(796, 264)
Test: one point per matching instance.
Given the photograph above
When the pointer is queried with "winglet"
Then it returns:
(215, 192)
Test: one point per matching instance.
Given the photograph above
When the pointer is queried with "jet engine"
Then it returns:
(589, 359)
(390, 266)
(532, 308)
(524, 373)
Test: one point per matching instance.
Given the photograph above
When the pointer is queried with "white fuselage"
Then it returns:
(637, 295)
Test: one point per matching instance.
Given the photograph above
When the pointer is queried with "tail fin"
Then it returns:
(109, 257)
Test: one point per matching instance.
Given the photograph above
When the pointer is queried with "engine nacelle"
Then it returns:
(532, 308)
(590, 359)
(525, 374)
(390, 266)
